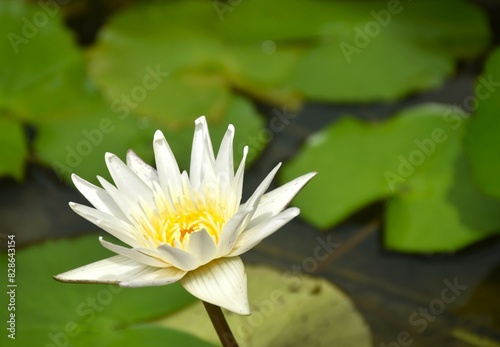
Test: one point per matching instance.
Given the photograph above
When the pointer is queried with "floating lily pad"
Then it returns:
(483, 144)
(42, 75)
(348, 73)
(49, 312)
(78, 145)
(339, 52)
(415, 160)
(287, 310)
(13, 149)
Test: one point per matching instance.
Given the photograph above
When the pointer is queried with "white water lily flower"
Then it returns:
(180, 227)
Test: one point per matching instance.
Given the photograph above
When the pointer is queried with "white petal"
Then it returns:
(202, 246)
(98, 197)
(232, 230)
(224, 161)
(222, 282)
(202, 154)
(154, 277)
(131, 208)
(251, 237)
(112, 225)
(127, 181)
(166, 165)
(111, 270)
(237, 184)
(179, 258)
(276, 200)
(261, 189)
(134, 254)
(144, 171)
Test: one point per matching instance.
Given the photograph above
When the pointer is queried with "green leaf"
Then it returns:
(142, 336)
(13, 149)
(427, 23)
(78, 145)
(482, 142)
(42, 75)
(347, 73)
(286, 309)
(415, 161)
(432, 25)
(440, 208)
(263, 70)
(172, 70)
(48, 311)
(331, 55)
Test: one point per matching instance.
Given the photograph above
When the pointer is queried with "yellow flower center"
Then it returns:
(173, 221)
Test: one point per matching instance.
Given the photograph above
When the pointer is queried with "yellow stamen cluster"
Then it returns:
(171, 222)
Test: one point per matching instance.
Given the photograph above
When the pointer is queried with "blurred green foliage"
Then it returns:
(161, 64)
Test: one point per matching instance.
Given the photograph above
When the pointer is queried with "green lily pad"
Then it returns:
(331, 55)
(440, 208)
(49, 312)
(172, 70)
(348, 73)
(482, 142)
(42, 75)
(415, 160)
(429, 23)
(78, 145)
(13, 149)
(286, 309)
(364, 50)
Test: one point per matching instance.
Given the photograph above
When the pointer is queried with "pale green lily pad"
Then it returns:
(172, 71)
(287, 310)
(429, 23)
(415, 160)
(440, 208)
(13, 148)
(482, 141)
(83, 315)
(348, 73)
(78, 145)
(208, 52)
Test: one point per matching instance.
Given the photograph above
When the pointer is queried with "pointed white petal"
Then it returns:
(232, 230)
(224, 161)
(111, 270)
(222, 282)
(134, 254)
(131, 208)
(98, 197)
(251, 237)
(202, 154)
(144, 171)
(202, 246)
(261, 189)
(112, 225)
(237, 184)
(179, 258)
(166, 165)
(276, 200)
(154, 277)
(127, 181)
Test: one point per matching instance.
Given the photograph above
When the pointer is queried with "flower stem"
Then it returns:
(219, 322)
